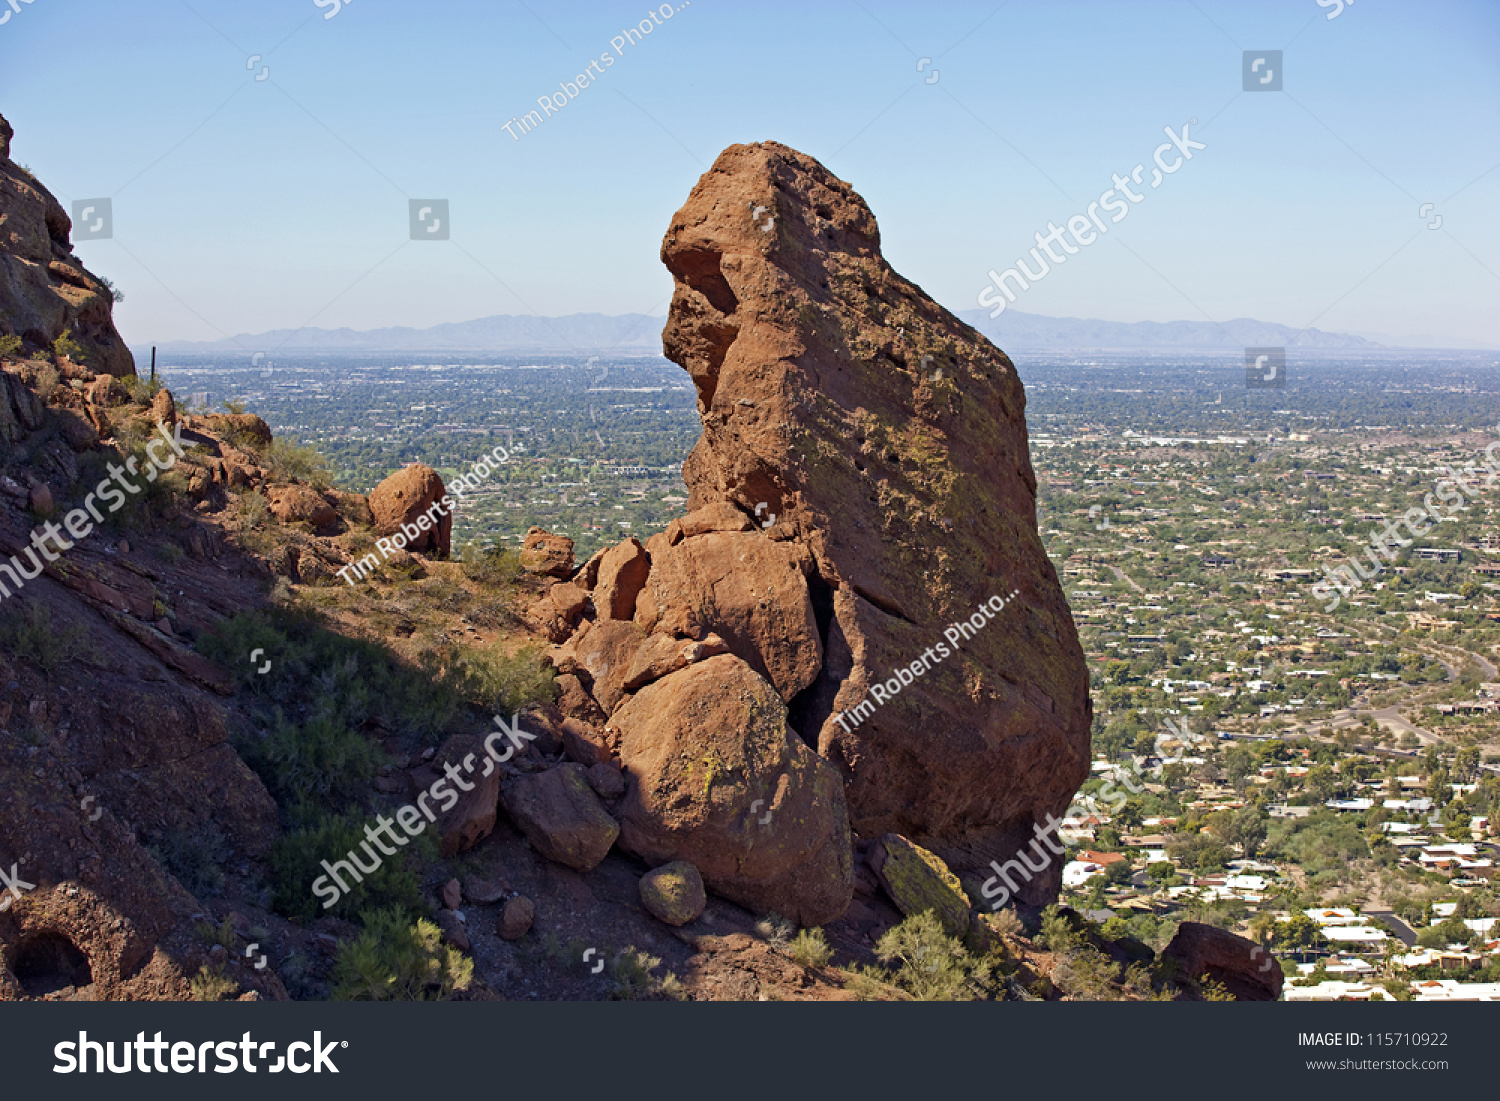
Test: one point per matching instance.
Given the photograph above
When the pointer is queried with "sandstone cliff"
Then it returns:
(44, 289)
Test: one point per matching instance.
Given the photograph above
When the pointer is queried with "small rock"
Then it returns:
(218, 953)
(516, 918)
(454, 931)
(452, 894)
(164, 625)
(483, 890)
(388, 785)
(674, 892)
(124, 547)
(606, 781)
(41, 498)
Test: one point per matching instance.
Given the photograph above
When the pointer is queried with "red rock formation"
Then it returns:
(865, 423)
(44, 288)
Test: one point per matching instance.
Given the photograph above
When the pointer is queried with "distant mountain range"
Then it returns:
(640, 334)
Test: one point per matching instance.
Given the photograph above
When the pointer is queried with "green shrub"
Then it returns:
(194, 857)
(394, 960)
(495, 565)
(28, 631)
(10, 346)
(775, 930)
(810, 948)
(66, 346)
(212, 985)
(318, 762)
(141, 390)
(930, 965)
(297, 863)
(493, 679)
(287, 459)
(633, 978)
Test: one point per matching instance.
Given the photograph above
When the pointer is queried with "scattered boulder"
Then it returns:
(292, 503)
(516, 918)
(472, 818)
(1247, 971)
(622, 575)
(715, 777)
(918, 880)
(106, 392)
(674, 893)
(561, 816)
(888, 438)
(404, 500)
(481, 890)
(452, 894)
(717, 516)
(548, 554)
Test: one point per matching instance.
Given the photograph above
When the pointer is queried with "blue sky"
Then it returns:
(242, 205)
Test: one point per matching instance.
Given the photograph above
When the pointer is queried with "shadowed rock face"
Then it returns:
(888, 439)
(44, 288)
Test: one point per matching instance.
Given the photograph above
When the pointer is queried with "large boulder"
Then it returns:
(748, 590)
(1245, 969)
(887, 438)
(561, 816)
(715, 777)
(918, 880)
(405, 498)
(45, 289)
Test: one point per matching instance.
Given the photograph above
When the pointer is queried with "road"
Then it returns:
(1404, 932)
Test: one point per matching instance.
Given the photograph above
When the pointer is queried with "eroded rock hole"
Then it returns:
(49, 962)
(699, 269)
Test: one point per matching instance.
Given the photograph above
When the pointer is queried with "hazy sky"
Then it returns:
(244, 204)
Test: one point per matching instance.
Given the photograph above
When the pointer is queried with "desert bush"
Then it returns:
(212, 985)
(491, 678)
(287, 459)
(141, 390)
(1007, 924)
(394, 959)
(490, 565)
(810, 948)
(194, 857)
(315, 763)
(775, 930)
(66, 347)
(930, 965)
(29, 632)
(10, 346)
(632, 972)
(297, 863)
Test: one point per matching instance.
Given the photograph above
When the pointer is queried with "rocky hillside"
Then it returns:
(263, 739)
